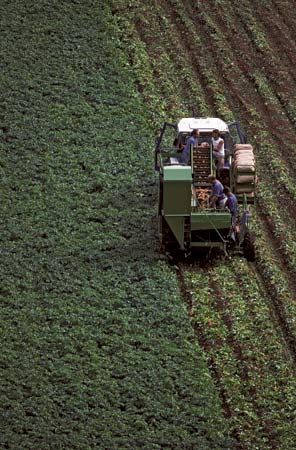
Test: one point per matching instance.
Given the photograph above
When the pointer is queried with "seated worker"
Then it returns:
(218, 150)
(217, 198)
(192, 141)
(231, 204)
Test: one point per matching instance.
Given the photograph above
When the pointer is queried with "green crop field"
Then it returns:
(105, 344)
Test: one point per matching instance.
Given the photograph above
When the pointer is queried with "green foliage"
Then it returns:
(97, 351)
(97, 348)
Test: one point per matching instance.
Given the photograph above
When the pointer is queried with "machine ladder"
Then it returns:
(201, 165)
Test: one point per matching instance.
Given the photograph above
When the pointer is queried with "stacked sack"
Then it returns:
(244, 169)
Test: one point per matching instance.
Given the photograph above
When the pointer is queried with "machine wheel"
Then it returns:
(249, 247)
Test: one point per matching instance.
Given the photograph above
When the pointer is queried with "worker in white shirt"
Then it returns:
(218, 150)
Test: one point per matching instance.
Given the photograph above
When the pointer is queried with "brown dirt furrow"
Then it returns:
(191, 57)
(239, 83)
(221, 306)
(276, 302)
(269, 111)
(144, 34)
(276, 242)
(280, 35)
(277, 34)
(243, 362)
(245, 101)
(286, 10)
(244, 92)
(276, 61)
(245, 61)
(195, 55)
(248, 99)
(277, 313)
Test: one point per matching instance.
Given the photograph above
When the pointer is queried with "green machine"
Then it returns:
(186, 219)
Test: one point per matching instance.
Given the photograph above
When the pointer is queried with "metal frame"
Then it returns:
(158, 142)
(240, 132)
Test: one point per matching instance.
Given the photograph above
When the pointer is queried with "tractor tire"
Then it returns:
(249, 247)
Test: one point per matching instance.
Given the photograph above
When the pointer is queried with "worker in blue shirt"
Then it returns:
(192, 142)
(231, 204)
(217, 198)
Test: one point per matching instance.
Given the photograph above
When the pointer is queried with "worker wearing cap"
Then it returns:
(192, 142)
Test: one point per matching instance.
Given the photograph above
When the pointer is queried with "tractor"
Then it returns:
(187, 222)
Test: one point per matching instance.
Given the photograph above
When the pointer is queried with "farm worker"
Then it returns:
(231, 204)
(217, 198)
(218, 149)
(191, 142)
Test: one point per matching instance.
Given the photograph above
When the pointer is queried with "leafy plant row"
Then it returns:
(233, 322)
(258, 41)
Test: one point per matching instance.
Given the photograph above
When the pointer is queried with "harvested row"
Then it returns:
(261, 47)
(246, 352)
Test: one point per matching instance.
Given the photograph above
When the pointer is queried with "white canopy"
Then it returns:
(203, 124)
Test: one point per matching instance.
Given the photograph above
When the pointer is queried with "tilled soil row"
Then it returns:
(240, 86)
(208, 346)
(230, 82)
(276, 242)
(243, 361)
(277, 302)
(278, 313)
(255, 46)
(250, 394)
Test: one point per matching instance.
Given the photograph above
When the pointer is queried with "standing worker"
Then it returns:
(231, 204)
(192, 142)
(217, 198)
(218, 150)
